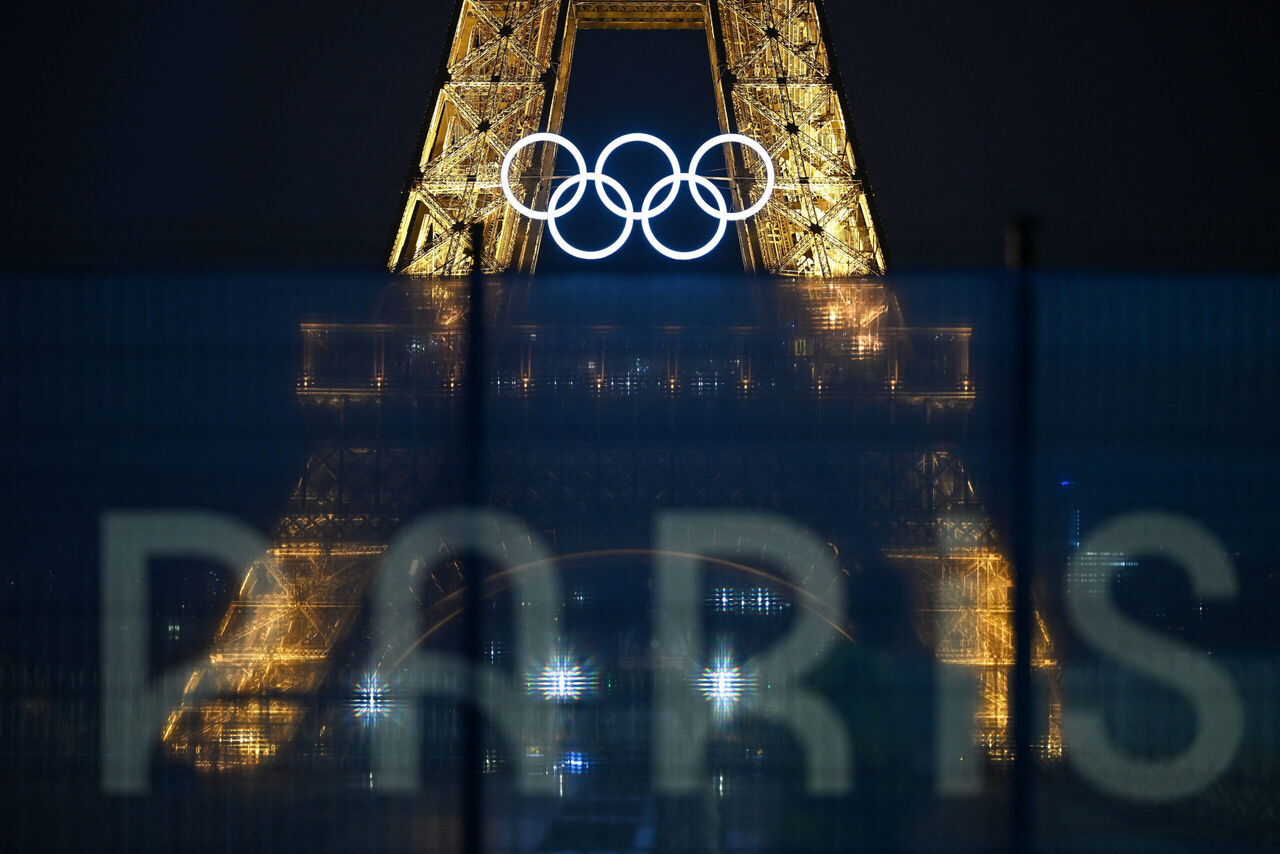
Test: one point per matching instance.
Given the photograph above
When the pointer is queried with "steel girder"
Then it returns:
(505, 77)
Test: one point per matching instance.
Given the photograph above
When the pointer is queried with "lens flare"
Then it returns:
(724, 683)
(563, 679)
(371, 703)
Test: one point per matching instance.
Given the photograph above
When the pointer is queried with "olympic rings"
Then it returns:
(675, 180)
(530, 140)
(749, 143)
(656, 143)
(627, 216)
(627, 212)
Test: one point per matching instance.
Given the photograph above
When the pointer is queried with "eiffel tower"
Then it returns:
(374, 392)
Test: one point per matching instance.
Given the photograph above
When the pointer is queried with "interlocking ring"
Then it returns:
(506, 169)
(675, 180)
(627, 212)
(581, 179)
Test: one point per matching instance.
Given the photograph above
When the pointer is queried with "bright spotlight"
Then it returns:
(562, 679)
(723, 683)
(371, 705)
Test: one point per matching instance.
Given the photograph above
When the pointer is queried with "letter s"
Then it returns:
(1209, 689)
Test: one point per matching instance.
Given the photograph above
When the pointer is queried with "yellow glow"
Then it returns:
(818, 222)
(967, 594)
(294, 608)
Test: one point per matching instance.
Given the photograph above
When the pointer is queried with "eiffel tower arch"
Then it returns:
(506, 75)
(378, 395)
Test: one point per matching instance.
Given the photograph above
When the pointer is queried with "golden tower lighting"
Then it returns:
(505, 76)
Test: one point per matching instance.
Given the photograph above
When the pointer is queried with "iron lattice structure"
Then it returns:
(504, 76)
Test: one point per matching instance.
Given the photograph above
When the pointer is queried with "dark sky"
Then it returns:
(1140, 131)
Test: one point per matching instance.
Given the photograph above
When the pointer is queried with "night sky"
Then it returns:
(1142, 132)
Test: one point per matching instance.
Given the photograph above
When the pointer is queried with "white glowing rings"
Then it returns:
(694, 181)
(749, 143)
(627, 211)
(629, 216)
(530, 140)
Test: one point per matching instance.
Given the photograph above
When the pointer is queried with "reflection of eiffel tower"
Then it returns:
(373, 388)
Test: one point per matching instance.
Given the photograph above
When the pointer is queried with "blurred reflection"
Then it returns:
(873, 411)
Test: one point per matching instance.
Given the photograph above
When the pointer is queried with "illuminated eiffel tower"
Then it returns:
(505, 76)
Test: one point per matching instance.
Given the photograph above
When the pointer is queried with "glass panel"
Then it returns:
(745, 552)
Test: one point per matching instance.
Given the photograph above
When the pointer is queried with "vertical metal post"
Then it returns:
(1020, 259)
(474, 450)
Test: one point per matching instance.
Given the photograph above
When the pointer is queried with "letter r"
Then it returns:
(682, 724)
